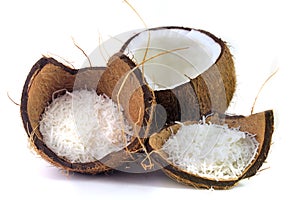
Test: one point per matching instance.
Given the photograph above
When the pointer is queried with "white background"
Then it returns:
(263, 36)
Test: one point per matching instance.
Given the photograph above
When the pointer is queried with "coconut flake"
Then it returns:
(212, 151)
(84, 127)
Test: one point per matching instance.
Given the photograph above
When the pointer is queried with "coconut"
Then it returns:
(49, 80)
(221, 151)
(191, 71)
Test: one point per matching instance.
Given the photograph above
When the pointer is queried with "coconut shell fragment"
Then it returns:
(126, 87)
(49, 78)
(260, 124)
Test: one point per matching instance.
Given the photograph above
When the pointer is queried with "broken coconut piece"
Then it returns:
(216, 153)
(47, 81)
(191, 71)
(211, 151)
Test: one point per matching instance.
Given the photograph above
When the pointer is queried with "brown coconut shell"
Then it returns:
(260, 124)
(47, 77)
(120, 73)
(124, 88)
(210, 91)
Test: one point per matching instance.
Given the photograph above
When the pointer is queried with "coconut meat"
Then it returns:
(189, 53)
(84, 127)
(211, 151)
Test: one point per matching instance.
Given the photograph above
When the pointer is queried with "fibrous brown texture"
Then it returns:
(260, 124)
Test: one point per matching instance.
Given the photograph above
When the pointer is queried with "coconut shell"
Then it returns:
(210, 91)
(127, 80)
(126, 87)
(47, 77)
(260, 124)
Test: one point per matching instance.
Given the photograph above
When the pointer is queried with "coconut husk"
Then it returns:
(260, 124)
(210, 91)
(49, 78)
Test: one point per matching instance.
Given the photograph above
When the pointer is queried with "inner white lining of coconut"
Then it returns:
(197, 53)
(211, 151)
(84, 127)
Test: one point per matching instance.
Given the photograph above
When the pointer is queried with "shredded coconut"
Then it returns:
(83, 127)
(211, 151)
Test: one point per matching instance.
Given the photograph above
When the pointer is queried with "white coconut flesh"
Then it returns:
(211, 151)
(192, 52)
(84, 127)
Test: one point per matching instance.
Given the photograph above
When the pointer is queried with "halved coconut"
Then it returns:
(191, 71)
(49, 79)
(217, 153)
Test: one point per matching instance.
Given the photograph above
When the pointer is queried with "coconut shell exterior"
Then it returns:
(126, 86)
(260, 124)
(210, 91)
(47, 77)
(120, 73)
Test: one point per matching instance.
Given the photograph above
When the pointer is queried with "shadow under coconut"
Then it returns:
(151, 179)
